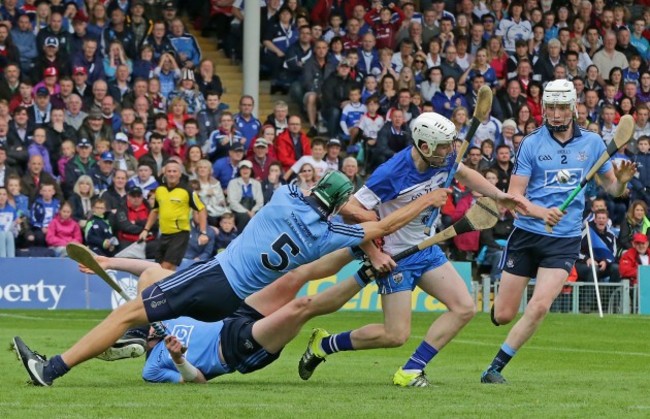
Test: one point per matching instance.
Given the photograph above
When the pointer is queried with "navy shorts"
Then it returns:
(172, 247)
(200, 291)
(526, 252)
(240, 351)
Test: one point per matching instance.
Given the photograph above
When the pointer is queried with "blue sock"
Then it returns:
(504, 356)
(421, 357)
(55, 368)
(337, 343)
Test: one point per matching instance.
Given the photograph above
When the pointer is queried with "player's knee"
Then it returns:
(396, 338)
(465, 310)
(501, 316)
(302, 304)
(536, 310)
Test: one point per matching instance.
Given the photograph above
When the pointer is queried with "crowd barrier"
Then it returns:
(57, 284)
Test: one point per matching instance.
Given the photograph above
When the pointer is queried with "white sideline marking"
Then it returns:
(553, 349)
(26, 317)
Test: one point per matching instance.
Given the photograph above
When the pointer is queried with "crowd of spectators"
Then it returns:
(96, 96)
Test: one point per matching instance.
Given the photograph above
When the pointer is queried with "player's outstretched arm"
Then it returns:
(404, 215)
(615, 180)
(550, 216)
(477, 182)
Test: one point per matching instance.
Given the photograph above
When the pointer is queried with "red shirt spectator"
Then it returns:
(384, 27)
(637, 255)
(289, 151)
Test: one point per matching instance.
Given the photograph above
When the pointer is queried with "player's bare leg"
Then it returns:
(548, 286)
(507, 301)
(447, 286)
(395, 330)
(278, 329)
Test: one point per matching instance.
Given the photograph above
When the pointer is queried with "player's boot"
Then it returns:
(410, 378)
(34, 363)
(314, 354)
(124, 348)
(491, 376)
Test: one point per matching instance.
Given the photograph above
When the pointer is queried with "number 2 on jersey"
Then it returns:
(278, 247)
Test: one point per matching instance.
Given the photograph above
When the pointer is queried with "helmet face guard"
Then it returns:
(333, 190)
(432, 129)
(559, 92)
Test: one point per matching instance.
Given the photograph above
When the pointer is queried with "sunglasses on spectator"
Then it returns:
(419, 62)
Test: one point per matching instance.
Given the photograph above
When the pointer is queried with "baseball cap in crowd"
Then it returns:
(120, 136)
(51, 41)
(344, 63)
(188, 74)
(80, 17)
(84, 142)
(137, 3)
(95, 115)
(236, 147)
(509, 123)
(107, 156)
(79, 70)
(333, 142)
(169, 5)
(261, 142)
(50, 71)
(135, 191)
(245, 163)
(639, 238)
(42, 91)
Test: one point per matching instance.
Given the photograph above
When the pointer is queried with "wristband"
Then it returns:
(188, 371)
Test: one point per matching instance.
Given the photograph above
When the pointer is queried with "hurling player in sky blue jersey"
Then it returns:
(550, 163)
(246, 341)
(408, 174)
(291, 230)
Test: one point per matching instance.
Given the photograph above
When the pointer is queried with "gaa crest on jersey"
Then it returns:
(582, 156)
(510, 263)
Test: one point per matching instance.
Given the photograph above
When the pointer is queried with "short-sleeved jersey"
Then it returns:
(393, 185)
(202, 342)
(174, 205)
(540, 158)
(286, 233)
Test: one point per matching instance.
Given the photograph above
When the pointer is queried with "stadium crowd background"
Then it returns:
(96, 96)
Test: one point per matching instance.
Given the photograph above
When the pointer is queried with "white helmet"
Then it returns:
(559, 92)
(432, 129)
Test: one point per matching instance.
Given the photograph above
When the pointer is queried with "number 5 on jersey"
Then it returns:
(278, 247)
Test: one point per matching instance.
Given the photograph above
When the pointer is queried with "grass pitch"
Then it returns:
(576, 366)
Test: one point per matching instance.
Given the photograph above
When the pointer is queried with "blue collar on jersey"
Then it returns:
(576, 133)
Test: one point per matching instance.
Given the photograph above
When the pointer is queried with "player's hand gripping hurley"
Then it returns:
(481, 111)
(482, 215)
(622, 136)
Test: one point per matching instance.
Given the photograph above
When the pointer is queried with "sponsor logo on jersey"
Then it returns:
(551, 178)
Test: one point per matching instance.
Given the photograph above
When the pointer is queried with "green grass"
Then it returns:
(576, 366)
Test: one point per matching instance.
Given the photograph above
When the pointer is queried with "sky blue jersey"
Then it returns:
(286, 233)
(202, 342)
(540, 158)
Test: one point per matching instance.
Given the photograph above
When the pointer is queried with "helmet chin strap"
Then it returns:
(557, 128)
